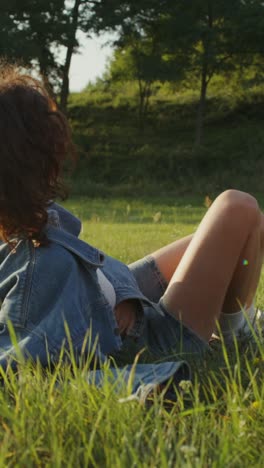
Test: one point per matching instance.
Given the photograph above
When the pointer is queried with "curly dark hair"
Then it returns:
(34, 142)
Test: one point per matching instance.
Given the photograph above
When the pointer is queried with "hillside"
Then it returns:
(117, 151)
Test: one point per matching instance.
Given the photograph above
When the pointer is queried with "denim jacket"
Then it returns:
(44, 288)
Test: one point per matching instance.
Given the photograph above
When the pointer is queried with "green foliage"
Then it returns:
(156, 40)
(37, 29)
(116, 155)
(201, 37)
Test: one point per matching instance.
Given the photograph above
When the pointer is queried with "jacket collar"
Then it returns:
(81, 249)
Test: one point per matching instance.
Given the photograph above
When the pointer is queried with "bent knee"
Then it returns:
(238, 198)
(241, 205)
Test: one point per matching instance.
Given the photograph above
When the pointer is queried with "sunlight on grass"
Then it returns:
(56, 419)
(129, 230)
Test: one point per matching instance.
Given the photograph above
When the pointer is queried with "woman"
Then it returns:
(55, 288)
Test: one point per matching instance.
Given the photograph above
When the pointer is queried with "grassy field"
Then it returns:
(57, 419)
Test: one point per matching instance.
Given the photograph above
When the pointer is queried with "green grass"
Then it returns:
(57, 419)
(129, 229)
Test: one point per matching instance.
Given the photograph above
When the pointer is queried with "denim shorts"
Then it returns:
(159, 331)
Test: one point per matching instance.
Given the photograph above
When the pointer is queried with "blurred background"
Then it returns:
(162, 96)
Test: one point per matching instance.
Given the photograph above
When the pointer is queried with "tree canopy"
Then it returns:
(157, 39)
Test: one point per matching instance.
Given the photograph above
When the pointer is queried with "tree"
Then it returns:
(35, 31)
(140, 61)
(200, 38)
(38, 30)
(12, 35)
(199, 35)
(213, 47)
(71, 44)
(140, 51)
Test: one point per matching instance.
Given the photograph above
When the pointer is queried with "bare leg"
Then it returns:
(245, 280)
(169, 256)
(211, 274)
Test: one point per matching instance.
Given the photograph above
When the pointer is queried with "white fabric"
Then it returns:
(232, 323)
(107, 288)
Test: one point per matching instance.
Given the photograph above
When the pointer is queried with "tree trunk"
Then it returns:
(64, 94)
(201, 108)
(144, 88)
(44, 72)
(147, 97)
(205, 78)
(141, 100)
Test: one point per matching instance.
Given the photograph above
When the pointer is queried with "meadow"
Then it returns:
(56, 419)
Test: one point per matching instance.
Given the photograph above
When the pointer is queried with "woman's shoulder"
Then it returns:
(63, 245)
(64, 219)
